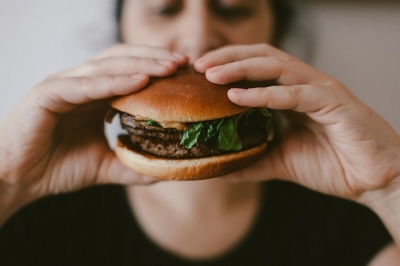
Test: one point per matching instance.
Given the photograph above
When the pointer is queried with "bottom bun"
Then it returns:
(187, 169)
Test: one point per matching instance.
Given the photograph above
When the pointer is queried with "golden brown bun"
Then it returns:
(188, 169)
(186, 96)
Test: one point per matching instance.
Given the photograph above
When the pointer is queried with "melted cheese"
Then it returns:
(175, 125)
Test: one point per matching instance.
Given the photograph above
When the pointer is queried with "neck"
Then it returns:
(216, 213)
(189, 195)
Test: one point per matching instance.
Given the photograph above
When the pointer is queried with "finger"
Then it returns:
(112, 171)
(267, 168)
(121, 66)
(234, 53)
(281, 70)
(62, 95)
(41, 107)
(120, 50)
(308, 99)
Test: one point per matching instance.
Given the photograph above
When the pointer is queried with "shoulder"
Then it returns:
(53, 227)
(74, 204)
(322, 227)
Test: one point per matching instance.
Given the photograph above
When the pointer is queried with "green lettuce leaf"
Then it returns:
(153, 123)
(225, 130)
(228, 138)
(192, 135)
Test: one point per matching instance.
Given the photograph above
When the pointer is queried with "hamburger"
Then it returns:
(183, 127)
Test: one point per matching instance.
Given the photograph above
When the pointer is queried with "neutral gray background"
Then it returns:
(358, 42)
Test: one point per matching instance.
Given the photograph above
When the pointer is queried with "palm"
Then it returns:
(311, 158)
(67, 157)
(81, 148)
(335, 158)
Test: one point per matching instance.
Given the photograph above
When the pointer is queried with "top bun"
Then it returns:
(186, 96)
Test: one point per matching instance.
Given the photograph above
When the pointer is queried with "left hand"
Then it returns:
(333, 142)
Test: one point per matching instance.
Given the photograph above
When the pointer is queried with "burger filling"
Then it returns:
(199, 139)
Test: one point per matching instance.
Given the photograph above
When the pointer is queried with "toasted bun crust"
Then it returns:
(188, 169)
(186, 96)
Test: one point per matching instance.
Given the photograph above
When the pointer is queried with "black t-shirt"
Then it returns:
(95, 226)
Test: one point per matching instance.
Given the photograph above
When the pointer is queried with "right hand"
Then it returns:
(53, 141)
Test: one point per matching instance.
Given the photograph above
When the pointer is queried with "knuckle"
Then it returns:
(276, 66)
(293, 95)
(263, 46)
(112, 81)
(111, 50)
(275, 60)
(284, 58)
(88, 68)
(294, 91)
(42, 88)
(53, 76)
(85, 84)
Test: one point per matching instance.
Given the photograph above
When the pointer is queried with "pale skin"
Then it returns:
(334, 143)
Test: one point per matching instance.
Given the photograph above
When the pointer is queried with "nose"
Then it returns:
(199, 31)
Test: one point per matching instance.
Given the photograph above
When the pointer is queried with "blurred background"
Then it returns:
(358, 42)
(355, 41)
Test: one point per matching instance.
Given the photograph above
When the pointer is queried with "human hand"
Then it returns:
(333, 142)
(53, 140)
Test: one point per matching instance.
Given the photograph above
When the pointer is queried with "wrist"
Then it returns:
(11, 200)
(385, 202)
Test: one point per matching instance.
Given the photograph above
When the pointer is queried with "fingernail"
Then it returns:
(137, 76)
(236, 94)
(236, 90)
(165, 62)
(215, 69)
(200, 60)
(178, 56)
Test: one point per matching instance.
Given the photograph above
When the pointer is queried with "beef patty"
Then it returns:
(165, 142)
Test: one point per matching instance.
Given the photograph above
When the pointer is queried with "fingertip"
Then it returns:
(139, 76)
(199, 65)
(179, 56)
(113, 171)
(236, 95)
(136, 83)
(237, 91)
(204, 63)
(141, 79)
(166, 63)
(181, 59)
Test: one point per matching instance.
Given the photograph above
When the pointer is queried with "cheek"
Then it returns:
(158, 40)
(143, 34)
(251, 33)
(258, 29)
(139, 31)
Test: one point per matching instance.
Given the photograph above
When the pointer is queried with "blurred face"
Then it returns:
(194, 27)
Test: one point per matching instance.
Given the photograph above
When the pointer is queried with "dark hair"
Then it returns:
(282, 10)
(284, 14)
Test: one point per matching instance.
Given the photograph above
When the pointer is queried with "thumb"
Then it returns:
(113, 171)
(271, 166)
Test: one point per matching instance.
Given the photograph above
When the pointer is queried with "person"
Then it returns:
(327, 194)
